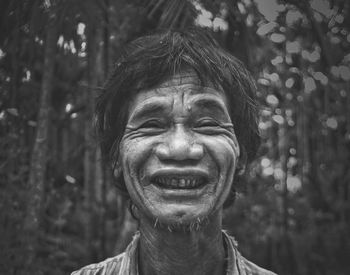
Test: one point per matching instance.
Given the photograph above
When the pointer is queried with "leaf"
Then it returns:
(13, 111)
(266, 28)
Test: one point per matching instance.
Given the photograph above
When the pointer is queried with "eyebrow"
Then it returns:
(210, 103)
(149, 108)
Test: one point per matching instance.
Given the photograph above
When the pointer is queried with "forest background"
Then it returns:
(59, 207)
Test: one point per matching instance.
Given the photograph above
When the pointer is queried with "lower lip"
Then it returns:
(180, 193)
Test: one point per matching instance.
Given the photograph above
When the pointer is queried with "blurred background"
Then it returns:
(59, 207)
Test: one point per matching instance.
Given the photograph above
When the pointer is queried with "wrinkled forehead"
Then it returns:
(185, 85)
(189, 79)
(184, 78)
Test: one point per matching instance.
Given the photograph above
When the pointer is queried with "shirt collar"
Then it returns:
(129, 263)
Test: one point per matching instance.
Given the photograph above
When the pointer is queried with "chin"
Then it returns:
(182, 218)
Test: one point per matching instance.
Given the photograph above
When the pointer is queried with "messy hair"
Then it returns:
(152, 59)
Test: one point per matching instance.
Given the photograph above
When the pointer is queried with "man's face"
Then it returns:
(179, 151)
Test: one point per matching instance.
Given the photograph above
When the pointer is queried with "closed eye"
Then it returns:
(207, 123)
(152, 124)
(212, 127)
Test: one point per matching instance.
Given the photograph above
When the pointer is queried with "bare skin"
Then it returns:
(196, 252)
(178, 156)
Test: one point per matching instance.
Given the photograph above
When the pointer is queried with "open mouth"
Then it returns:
(179, 182)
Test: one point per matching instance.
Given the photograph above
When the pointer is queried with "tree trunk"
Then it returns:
(16, 57)
(283, 150)
(36, 181)
(102, 166)
(91, 180)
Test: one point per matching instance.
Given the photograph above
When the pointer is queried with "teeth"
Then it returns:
(182, 182)
(178, 182)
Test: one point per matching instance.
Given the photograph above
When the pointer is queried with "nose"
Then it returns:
(179, 145)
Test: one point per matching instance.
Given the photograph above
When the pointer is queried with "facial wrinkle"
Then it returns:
(178, 101)
(183, 99)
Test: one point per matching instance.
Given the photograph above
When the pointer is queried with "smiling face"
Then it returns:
(179, 151)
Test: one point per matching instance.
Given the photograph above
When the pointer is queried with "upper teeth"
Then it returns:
(176, 182)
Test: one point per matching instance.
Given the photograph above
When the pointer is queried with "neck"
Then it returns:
(182, 251)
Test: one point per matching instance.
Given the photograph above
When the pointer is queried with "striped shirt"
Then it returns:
(126, 263)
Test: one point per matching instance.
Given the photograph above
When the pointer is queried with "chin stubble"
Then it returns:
(195, 225)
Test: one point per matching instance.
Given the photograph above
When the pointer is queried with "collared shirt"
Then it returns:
(126, 263)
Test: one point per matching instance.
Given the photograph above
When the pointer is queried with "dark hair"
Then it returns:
(149, 60)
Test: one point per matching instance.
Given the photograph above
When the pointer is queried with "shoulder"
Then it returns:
(253, 269)
(121, 264)
(243, 265)
(109, 266)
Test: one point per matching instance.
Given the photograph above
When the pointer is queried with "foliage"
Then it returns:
(292, 212)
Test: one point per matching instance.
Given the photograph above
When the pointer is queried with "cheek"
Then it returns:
(225, 152)
(134, 153)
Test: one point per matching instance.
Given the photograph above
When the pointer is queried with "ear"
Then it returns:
(134, 211)
(242, 162)
(237, 147)
(117, 170)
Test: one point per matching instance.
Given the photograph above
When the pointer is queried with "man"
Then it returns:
(178, 119)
